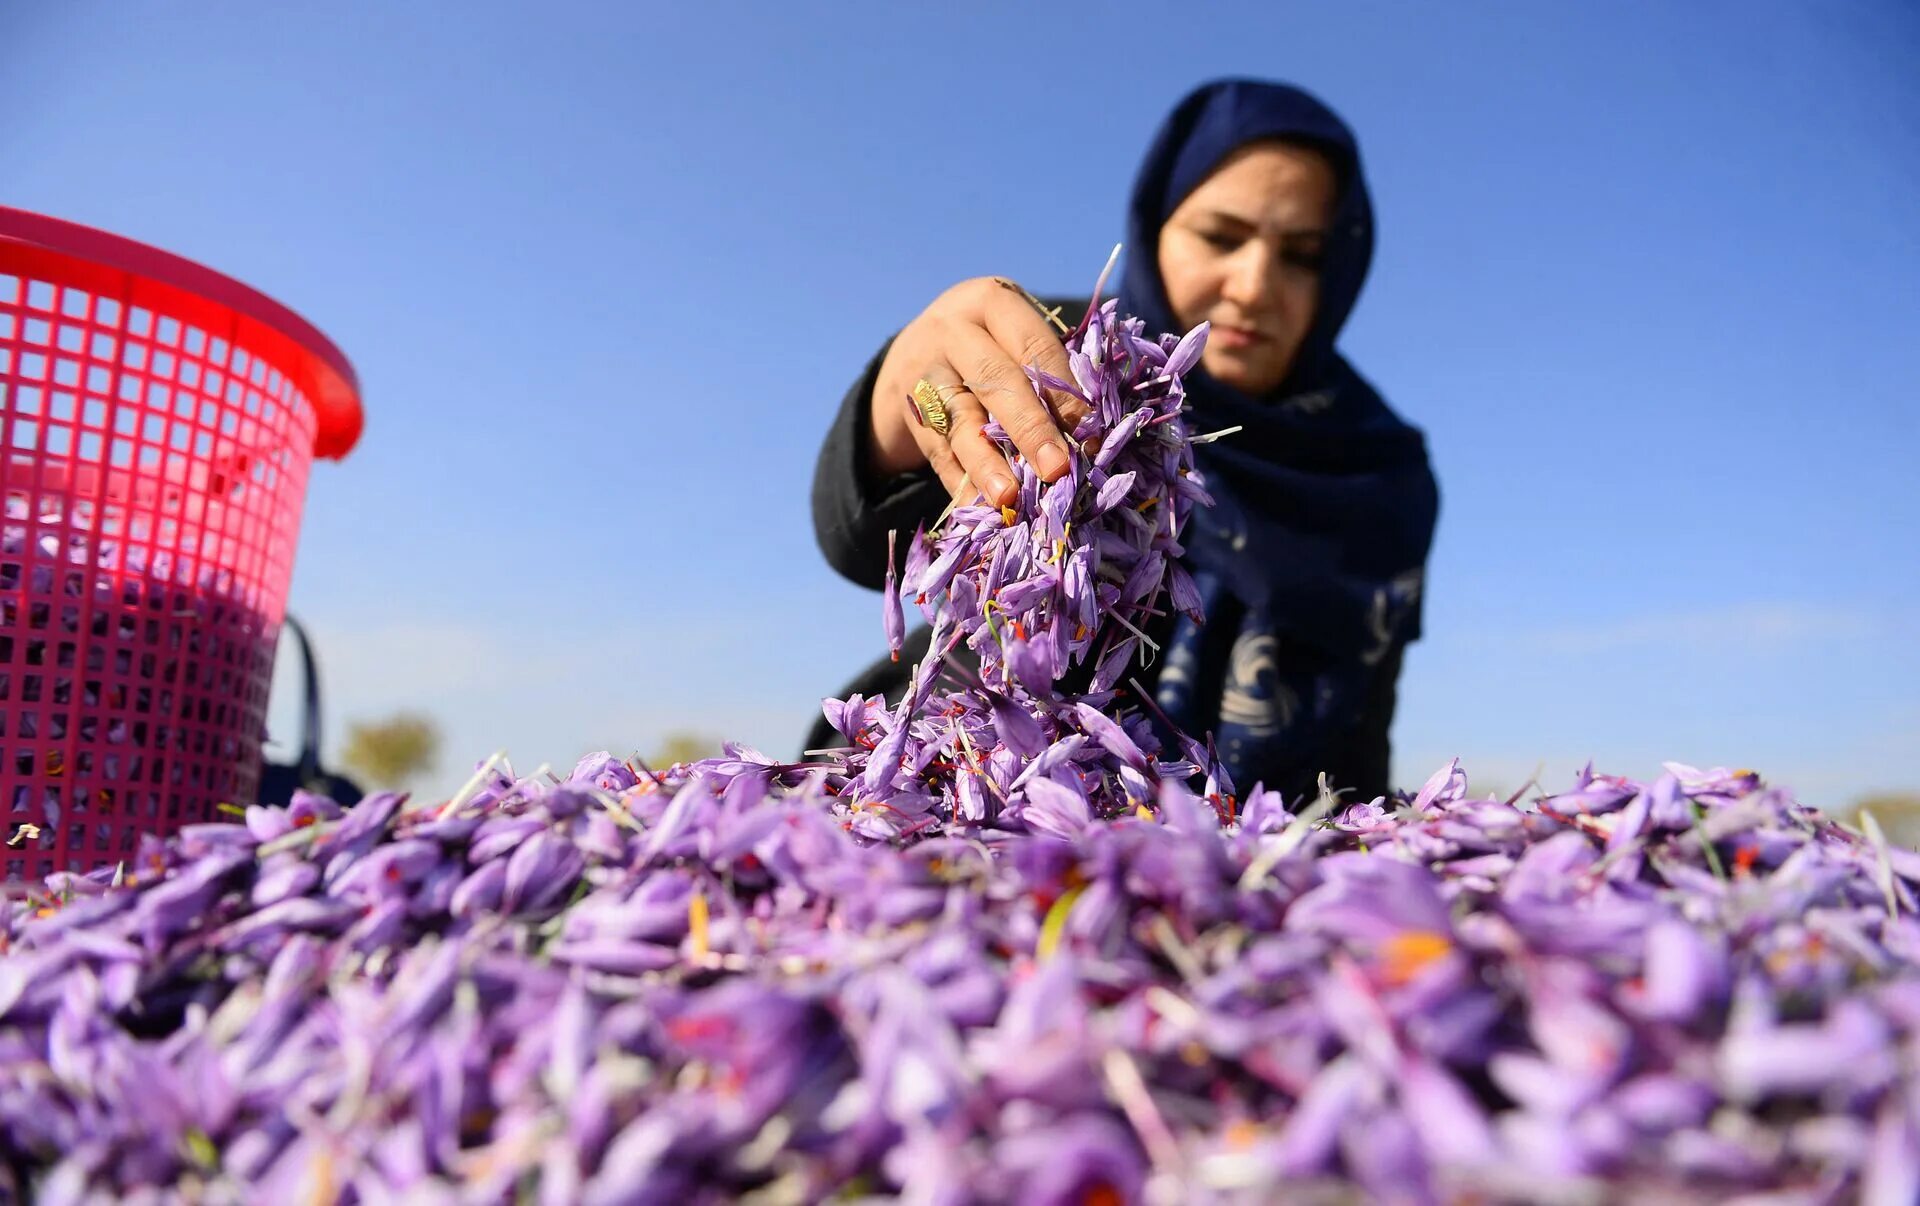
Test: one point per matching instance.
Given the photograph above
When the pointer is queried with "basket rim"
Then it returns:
(338, 412)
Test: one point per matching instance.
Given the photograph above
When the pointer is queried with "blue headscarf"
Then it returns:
(1310, 565)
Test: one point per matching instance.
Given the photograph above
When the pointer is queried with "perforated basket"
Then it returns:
(157, 422)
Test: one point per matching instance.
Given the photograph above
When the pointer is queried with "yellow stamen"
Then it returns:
(1055, 926)
(697, 924)
(320, 1179)
(1407, 955)
(1240, 1134)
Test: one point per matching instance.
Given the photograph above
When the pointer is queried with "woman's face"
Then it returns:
(1243, 251)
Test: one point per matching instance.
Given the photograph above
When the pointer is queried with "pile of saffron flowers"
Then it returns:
(1004, 945)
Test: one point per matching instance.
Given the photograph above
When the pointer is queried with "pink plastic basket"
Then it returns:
(157, 422)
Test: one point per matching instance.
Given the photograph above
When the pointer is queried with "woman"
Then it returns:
(1251, 213)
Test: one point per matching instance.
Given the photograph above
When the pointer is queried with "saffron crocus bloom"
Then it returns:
(1370, 899)
(892, 621)
(1055, 810)
(1087, 1159)
(604, 771)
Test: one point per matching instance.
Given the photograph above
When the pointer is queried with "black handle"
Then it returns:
(308, 763)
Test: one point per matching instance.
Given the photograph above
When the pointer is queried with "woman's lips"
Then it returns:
(1235, 337)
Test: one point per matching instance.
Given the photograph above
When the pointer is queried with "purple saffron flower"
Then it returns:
(1309, 1140)
(288, 879)
(1016, 726)
(183, 900)
(1186, 353)
(1088, 1158)
(481, 891)
(266, 824)
(1109, 734)
(1055, 810)
(892, 620)
(605, 772)
(1686, 971)
(1116, 440)
(1893, 1162)
(501, 836)
(1370, 899)
(1113, 492)
(1661, 1103)
(1849, 1049)
(540, 872)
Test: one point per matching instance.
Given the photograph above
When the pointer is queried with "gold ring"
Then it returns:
(933, 411)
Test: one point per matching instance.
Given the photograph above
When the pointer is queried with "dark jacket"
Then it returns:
(853, 512)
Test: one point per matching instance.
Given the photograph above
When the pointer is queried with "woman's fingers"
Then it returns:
(962, 413)
(1029, 335)
(981, 459)
(974, 343)
(945, 465)
(985, 464)
(1001, 385)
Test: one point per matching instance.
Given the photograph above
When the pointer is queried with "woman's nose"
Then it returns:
(1249, 282)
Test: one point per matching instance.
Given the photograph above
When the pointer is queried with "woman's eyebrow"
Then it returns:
(1235, 220)
(1229, 219)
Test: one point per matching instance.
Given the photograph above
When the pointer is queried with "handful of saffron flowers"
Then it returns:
(998, 948)
(1069, 574)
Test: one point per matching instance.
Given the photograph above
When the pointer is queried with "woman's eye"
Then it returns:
(1300, 257)
(1218, 241)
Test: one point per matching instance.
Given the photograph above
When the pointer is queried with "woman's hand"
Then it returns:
(973, 343)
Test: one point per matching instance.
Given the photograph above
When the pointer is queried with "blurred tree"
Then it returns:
(682, 747)
(1897, 811)
(394, 751)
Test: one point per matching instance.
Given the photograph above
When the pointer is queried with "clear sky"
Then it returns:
(1648, 275)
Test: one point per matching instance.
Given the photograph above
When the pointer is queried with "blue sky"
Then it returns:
(1647, 277)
